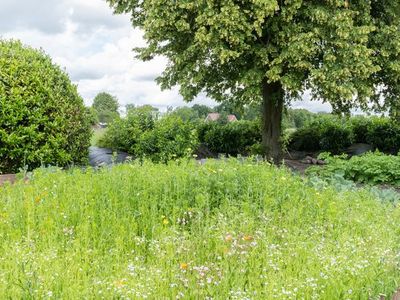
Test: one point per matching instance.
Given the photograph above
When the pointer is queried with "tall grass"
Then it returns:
(223, 230)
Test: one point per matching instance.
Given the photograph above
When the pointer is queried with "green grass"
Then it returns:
(224, 230)
(97, 135)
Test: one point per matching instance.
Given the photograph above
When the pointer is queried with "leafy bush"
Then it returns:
(305, 139)
(371, 168)
(327, 132)
(142, 135)
(384, 134)
(42, 118)
(335, 136)
(232, 138)
(106, 107)
(360, 126)
(170, 138)
(124, 134)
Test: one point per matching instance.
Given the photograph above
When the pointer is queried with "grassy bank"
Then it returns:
(222, 230)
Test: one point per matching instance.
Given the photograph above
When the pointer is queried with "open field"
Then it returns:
(224, 230)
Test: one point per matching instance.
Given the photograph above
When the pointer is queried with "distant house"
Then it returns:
(212, 117)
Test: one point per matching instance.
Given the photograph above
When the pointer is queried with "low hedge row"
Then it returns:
(234, 138)
(330, 133)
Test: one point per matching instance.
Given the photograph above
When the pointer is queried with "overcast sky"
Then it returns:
(94, 46)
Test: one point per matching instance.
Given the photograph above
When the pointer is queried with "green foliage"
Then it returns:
(170, 138)
(360, 127)
(223, 230)
(330, 133)
(371, 168)
(92, 115)
(42, 118)
(124, 134)
(144, 135)
(106, 107)
(305, 139)
(339, 50)
(231, 138)
(335, 136)
(202, 110)
(384, 134)
(186, 114)
(297, 118)
(325, 132)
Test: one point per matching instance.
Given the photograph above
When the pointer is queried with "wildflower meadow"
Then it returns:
(220, 230)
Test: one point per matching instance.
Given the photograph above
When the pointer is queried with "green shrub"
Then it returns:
(305, 139)
(124, 134)
(42, 117)
(335, 136)
(232, 138)
(327, 132)
(142, 135)
(170, 138)
(360, 126)
(384, 134)
(372, 168)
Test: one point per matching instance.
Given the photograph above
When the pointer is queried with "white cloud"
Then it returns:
(95, 48)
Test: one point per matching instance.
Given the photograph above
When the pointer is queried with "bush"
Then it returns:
(42, 118)
(232, 138)
(335, 136)
(305, 139)
(373, 168)
(170, 138)
(384, 134)
(124, 134)
(141, 135)
(360, 128)
(328, 133)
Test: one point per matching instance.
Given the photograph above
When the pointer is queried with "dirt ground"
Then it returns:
(297, 165)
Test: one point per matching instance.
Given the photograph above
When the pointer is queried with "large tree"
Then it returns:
(106, 107)
(345, 52)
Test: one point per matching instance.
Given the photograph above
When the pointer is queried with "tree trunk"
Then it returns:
(272, 110)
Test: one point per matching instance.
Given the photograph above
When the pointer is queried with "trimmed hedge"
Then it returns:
(42, 117)
(334, 134)
(325, 133)
(232, 138)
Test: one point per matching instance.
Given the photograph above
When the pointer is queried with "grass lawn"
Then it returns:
(224, 230)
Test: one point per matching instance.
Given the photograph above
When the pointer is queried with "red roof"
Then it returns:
(215, 117)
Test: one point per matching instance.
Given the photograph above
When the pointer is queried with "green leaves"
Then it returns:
(340, 50)
(42, 117)
(370, 168)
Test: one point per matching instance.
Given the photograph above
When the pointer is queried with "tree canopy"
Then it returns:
(345, 52)
(106, 107)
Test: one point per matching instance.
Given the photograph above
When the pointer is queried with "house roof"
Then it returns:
(216, 116)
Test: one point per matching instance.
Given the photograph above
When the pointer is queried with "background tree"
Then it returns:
(269, 51)
(202, 110)
(129, 106)
(106, 107)
(92, 115)
(186, 114)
